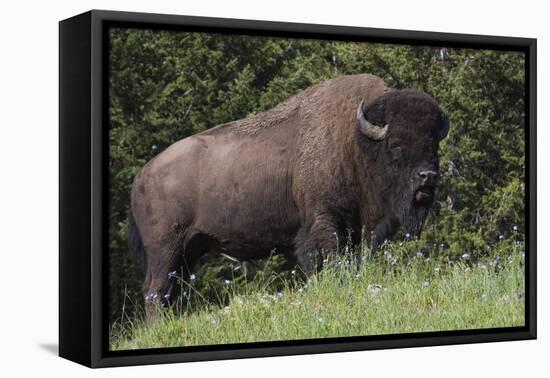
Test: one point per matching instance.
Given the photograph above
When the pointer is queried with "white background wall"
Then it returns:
(29, 189)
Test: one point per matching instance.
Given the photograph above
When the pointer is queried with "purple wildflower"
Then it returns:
(172, 274)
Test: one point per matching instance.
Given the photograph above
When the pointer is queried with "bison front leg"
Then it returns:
(385, 229)
(313, 242)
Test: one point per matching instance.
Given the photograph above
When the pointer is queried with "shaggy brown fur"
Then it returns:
(294, 178)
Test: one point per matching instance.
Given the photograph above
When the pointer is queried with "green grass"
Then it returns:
(395, 291)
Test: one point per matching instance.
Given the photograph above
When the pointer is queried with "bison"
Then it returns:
(343, 156)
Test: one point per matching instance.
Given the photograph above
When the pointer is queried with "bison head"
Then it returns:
(400, 133)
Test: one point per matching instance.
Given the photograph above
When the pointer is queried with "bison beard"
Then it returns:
(411, 212)
(403, 209)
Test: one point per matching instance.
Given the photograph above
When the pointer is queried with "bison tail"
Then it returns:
(135, 243)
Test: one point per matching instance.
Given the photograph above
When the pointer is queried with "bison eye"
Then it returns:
(396, 152)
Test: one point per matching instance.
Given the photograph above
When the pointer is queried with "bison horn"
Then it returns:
(367, 128)
(444, 130)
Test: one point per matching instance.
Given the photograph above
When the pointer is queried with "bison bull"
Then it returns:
(344, 155)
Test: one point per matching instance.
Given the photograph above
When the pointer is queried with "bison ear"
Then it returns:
(368, 118)
(444, 126)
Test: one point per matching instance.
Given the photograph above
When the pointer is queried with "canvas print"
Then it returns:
(265, 188)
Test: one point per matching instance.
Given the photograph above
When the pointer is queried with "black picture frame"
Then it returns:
(83, 154)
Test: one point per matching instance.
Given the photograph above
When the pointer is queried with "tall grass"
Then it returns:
(399, 289)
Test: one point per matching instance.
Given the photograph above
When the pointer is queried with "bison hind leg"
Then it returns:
(170, 273)
(196, 244)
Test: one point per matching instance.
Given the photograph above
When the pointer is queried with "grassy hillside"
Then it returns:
(397, 290)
